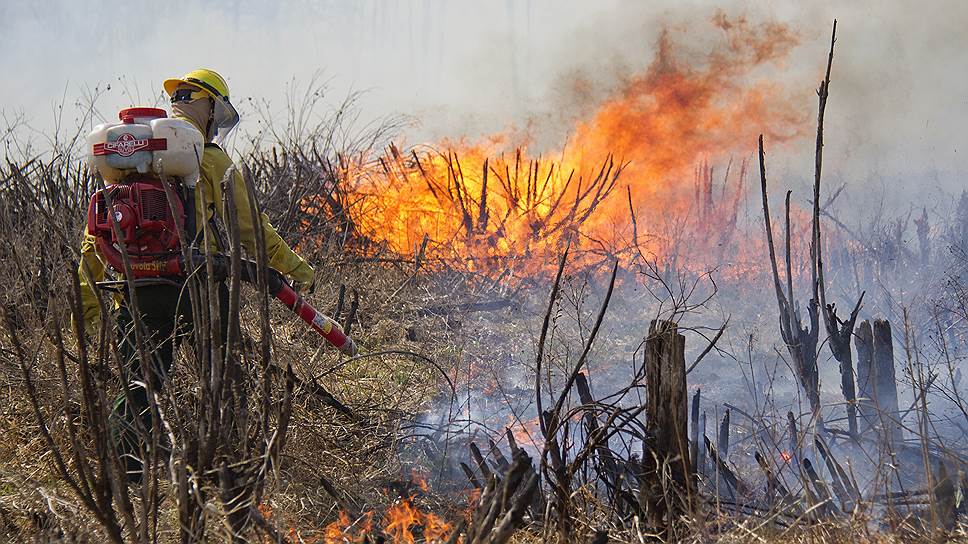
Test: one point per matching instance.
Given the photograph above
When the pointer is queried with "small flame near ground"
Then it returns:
(403, 523)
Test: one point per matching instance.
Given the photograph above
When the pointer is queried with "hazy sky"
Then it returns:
(898, 109)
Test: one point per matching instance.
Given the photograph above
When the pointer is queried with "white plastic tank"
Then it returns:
(99, 162)
(183, 150)
(146, 140)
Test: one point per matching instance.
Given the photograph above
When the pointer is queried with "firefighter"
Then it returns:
(202, 98)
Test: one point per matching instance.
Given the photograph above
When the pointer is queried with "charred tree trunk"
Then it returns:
(885, 382)
(876, 379)
(667, 484)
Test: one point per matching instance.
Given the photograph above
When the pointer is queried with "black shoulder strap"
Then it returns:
(220, 240)
(210, 145)
(188, 199)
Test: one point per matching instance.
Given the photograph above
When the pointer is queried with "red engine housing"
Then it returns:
(148, 229)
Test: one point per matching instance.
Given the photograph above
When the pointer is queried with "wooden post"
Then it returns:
(876, 379)
(667, 448)
(885, 382)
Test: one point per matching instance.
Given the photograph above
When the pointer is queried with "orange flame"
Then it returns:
(399, 523)
(402, 517)
(342, 530)
(336, 531)
(619, 187)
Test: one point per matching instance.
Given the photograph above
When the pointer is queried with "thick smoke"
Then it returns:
(468, 69)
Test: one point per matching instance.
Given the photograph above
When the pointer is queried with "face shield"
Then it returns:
(225, 118)
(207, 110)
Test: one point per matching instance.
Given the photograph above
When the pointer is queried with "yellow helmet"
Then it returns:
(215, 86)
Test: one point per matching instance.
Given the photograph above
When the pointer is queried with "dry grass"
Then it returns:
(361, 463)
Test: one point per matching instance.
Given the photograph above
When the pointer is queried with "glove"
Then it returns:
(303, 279)
(302, 288)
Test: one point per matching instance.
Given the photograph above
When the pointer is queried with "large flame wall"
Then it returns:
(635, 178)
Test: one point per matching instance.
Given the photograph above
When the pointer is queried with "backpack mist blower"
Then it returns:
(133, 157)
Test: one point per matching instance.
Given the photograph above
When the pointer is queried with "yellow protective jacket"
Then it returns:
(208, 201)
